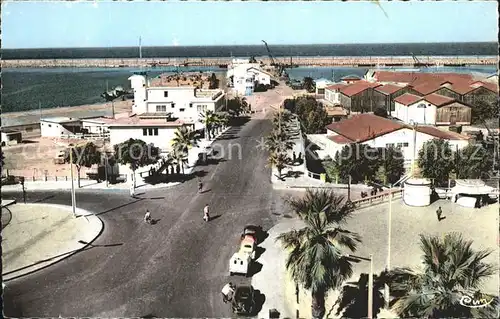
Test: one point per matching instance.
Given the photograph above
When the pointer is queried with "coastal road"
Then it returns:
(175, 268)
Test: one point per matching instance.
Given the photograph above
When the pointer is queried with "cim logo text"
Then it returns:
(472, 302)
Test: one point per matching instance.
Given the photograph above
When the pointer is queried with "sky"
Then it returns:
(52, 24)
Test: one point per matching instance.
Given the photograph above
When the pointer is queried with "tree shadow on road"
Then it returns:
(260, 299)
(254, 268)
(118, 207)
(148, 316)
(258, 252)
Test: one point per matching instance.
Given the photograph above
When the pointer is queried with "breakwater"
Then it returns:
(401, 61)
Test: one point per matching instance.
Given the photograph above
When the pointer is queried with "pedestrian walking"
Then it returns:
(294, 157)
(147, 217)
(439, 212)
(200, 186)
(206, 213)
(132, 191)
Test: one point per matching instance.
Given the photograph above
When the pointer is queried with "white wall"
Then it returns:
(261, 77)
(332, 96)
(138, 84)
(94, 127)
(123, 133)
(49, 129)
(405, 137)
(412, 113)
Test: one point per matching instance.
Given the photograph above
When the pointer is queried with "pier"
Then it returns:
(366, 62)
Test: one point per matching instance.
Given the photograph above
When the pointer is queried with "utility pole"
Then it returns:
(73, 200)
(21, 180)
(414, 148)
(389, 236)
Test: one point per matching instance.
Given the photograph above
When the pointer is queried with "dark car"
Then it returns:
(244, 300)
(255, 231)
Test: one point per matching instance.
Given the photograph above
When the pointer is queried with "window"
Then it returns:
(50, 125)
(29, 129)
(402, 145)
(181, 110)
(165, 93)
(190, 104)
(161, 108)
(173, 105)
(150, 131)
(389, 145)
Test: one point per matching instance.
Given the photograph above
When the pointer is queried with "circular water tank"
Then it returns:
(417, 192)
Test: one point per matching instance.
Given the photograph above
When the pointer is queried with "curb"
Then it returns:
(6, 277)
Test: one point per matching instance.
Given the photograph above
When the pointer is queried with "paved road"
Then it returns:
(175, 268)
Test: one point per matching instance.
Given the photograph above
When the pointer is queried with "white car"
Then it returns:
(239, 264)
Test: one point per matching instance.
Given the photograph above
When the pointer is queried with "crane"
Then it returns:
(279, 66)
(273, 63)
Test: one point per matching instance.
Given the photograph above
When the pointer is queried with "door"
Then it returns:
(453, 115)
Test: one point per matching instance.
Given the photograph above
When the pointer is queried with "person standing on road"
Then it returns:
(200, 186)
(439, 213)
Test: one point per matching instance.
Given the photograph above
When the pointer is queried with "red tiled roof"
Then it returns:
(427, 88)
(336, 86)
(446, 135)
(437, 99)
(407, 99)
(417, 77)
(363, 127)
(339, 139)
(462, 87)
(358, 87)
(389, 88)
(491, 86)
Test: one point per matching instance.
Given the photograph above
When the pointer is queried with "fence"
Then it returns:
(377, 199)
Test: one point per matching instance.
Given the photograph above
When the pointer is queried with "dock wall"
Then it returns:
(223, 62)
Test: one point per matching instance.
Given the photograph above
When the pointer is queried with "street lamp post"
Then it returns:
(370, 282)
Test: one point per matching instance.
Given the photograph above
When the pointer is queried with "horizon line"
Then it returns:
(246, 45)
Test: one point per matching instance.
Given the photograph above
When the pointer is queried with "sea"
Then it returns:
(26, 89)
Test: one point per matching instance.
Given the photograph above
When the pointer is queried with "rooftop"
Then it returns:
(358, 87)
(60, 119)
(336, 86)
(407, 99)
(438, 100)
(146, 119)
(364, 127)
(390, 88)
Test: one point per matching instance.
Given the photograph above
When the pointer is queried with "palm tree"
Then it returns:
(184, 139)
(208, 118)
(278, 142)
(353, 298)
(316, 259)
(278, 160)
(451, 271)
(180, 158)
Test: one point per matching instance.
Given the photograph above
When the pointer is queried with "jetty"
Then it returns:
(320, 61)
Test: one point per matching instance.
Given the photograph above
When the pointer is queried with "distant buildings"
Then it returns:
(183, 102)
(380, 132)
(243, 76)
(321, 85)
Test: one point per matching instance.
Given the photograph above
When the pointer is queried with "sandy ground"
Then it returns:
(33, 116)
(478, 225)
(35, 158)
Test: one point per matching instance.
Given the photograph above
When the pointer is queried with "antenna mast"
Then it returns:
(140, 48)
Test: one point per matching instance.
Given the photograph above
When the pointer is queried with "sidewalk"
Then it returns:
(92, 184)
(277, 285)
(40, 235)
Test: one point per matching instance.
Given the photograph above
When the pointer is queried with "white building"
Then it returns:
(158, 130)
(59, 126)
(432, 109)
(261, 76)
(332, 93)
(244, 85)
(321, 85)
(10, 137)
(380, 132)
(185, 103)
